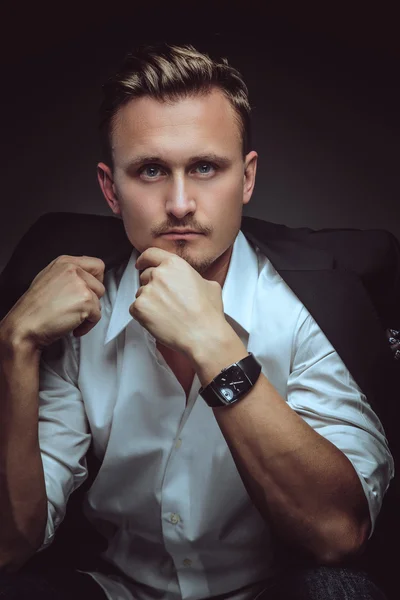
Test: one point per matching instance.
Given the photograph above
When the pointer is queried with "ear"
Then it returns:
(106, 182)
(249, 177)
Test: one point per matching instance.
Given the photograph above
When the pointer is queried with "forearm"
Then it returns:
(23, 502)
(300, 482)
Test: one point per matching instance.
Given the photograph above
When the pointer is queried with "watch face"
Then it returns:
(232, 383)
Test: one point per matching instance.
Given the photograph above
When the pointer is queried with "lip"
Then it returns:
(174, 236)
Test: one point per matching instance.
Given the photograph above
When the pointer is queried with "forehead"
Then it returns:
(190, 125)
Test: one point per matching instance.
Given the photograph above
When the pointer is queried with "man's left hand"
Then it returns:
(175, 303)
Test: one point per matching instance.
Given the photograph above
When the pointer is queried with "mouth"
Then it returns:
(175, 235)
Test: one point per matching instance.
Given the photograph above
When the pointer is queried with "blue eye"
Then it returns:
(205, 168)
(154, 171)
(149, 171)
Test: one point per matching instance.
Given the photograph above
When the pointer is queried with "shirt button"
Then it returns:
(178, 443)
(187, 562)
(174, 518)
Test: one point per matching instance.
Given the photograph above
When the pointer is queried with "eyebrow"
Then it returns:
(223, 161)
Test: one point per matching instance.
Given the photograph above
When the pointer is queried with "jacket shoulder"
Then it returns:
(367, 252)
(374, 255)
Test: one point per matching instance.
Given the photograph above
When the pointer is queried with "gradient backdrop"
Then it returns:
(324, 90)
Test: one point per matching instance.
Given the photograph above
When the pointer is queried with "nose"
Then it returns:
(180, 200)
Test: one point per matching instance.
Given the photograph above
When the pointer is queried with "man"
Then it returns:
(195, 491)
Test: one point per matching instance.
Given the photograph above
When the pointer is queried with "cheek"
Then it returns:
(139, 219)
(137, 214)
(226, 197)
(132, 200)
(229, 187)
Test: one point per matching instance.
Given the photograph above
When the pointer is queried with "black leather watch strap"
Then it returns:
(251, 368)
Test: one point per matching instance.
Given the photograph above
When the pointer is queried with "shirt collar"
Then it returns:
(240, 284)
(237, 294)
(126, 294)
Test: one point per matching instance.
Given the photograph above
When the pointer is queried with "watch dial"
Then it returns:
(232, 383)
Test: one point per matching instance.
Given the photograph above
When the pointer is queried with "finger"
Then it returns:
(91, 264)
(152, 257)
(146, 275)
(92, 318)
(139, 291)
(92, 282)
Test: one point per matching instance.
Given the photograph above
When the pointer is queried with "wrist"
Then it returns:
(15, 342)
(215, 350)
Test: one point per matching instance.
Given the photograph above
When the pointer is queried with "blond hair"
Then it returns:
(170, 72)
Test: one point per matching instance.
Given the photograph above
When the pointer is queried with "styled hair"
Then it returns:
(168, 73)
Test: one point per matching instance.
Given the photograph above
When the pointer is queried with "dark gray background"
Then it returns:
(324, 87)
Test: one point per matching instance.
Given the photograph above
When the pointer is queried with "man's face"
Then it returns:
(180, 166)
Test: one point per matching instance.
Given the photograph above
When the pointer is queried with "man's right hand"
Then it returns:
(63, 297)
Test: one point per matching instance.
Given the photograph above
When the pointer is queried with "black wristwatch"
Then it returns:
(233, 383)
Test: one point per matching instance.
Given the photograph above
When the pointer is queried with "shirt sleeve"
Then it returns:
(323, 392)
(63, 430)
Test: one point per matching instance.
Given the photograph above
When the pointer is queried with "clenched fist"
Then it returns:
(63, 297)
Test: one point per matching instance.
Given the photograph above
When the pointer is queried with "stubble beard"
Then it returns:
(201, 265)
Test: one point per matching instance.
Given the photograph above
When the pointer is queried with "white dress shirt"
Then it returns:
(168, 496)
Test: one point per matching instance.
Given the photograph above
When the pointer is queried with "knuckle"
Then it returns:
(135, 307)
(163, 271)
(84, 315)
(70, 268)
(86, 296)
(170, 260)
(64, 258)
